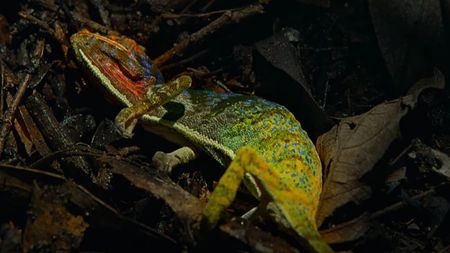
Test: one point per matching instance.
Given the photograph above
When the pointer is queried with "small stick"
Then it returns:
(36, 21)
(10, 114)
(2, 81)
(402, 203)
(184, 61)
(198, 15)
(226, 18)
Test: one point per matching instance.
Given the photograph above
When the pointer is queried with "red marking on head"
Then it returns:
(121, 76)
(115, 74)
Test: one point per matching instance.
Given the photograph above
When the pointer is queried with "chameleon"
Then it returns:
(259, 142)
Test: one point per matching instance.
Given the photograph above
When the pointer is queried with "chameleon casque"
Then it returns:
(260, 142)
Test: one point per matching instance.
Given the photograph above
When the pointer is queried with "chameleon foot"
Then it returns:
(156, 96)
(167, 161)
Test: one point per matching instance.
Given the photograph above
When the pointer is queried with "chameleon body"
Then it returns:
(261, 142)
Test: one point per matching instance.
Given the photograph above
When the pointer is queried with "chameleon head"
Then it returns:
(122, 69)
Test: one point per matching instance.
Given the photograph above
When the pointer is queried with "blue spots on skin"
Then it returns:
(130, 62)
(302, 180)
(91, 40)
(133, 53)
(145, 62)
(147, 73)
(277, 118)
(104, 47)
(147, 66)
(113, 52)
(159, 78)
(308, 159)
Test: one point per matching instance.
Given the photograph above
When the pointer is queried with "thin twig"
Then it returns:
(403, 203)
(184, 61)
(36, 21)
(198, 15)
(226, 18)
(208, 5)
(10, 114)
(2, 82)
(26, 15)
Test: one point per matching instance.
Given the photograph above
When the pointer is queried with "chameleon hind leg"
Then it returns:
(127, 118)
(283, 203)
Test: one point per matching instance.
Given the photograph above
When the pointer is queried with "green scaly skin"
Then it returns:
(261, 142)
(222, 124)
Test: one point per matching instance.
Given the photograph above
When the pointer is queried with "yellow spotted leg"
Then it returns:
(285, 204)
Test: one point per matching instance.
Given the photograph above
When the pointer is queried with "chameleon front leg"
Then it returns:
(127, 118)
(286, 205)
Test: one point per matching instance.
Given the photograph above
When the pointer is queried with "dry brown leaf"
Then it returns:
(348, 231)
(51, 225)
(351, 148)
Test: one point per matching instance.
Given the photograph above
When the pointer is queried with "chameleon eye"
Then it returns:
(131, 70)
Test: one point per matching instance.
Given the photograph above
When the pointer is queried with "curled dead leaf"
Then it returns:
(351, 148)
(347, 231)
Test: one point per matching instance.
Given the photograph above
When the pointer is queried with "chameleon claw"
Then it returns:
(126, 130)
